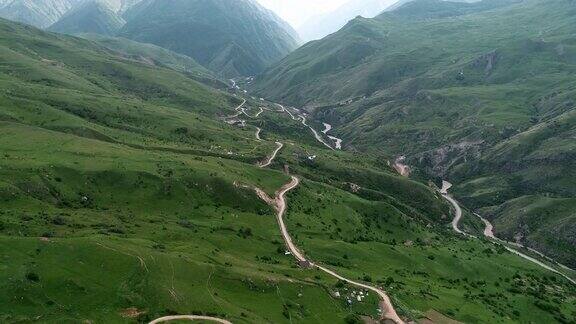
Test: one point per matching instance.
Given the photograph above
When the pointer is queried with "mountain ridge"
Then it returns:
(238, 38)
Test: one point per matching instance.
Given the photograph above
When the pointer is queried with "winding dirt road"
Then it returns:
(189, 318)
(279, 204)
(302, 119)
(239, 110)
(271, 158)
(458, 211)
(489, 234)
(259, 113)
(316, 135)
(388, 311)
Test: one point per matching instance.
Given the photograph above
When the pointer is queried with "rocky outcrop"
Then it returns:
(486, 61)
(438, 161)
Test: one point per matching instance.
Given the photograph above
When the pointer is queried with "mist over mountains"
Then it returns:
(320, 26)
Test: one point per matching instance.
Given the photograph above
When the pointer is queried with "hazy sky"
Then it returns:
(297, 12)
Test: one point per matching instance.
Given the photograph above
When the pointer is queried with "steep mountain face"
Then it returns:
(90, 17)
(231, 38)
(45, 13)
(320, 26)
(481, 93)
(39, 13)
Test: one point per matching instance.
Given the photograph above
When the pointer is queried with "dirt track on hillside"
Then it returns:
(280, 205)
(189, 318)
(489, 233)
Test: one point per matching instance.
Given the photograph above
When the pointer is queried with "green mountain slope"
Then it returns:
(480, 93)
(90, 17)
(231, 38)
(93, 127)
(125, 196)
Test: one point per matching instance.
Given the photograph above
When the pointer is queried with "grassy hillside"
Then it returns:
(116, 204)
(125, 196)
(481, 93)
